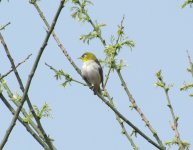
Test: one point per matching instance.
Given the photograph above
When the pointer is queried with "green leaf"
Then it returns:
(87, 37)
(185, 87)
(45, 111)
(187, 2)
(64, 84)
(159, 84)
(159, 75)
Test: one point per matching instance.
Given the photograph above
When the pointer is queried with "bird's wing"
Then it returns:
(100, 72)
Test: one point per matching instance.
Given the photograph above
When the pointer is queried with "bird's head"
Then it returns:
(88, 56)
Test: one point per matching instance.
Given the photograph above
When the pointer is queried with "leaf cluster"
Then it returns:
(59, 74)
(185, 144)
(187, 2)
(161, 83)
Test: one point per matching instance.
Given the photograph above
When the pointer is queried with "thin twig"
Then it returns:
(117, 41)
(6, 74)
(79, 72)
(60, 45)
(13, 122)
(190, 62)
(3, 27)
(52, 68)
(28, 128)
(134, 105)
(128, 122)
(175, 123)
(175, 119)
(121, 123)
(92, 24)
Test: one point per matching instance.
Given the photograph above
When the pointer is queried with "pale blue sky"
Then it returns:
(162, 32)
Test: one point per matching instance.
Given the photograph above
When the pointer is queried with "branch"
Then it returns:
(123, 83)
(117, 41)
(40, 131)
(174, 126)
(92, 23)
(13, 122)
(121, 123)
(66, 75)
(10, 94)
(190, 62)
(124, 131)
(56, 38)
(6, 74)
(28, 128)
(134, 105)
(3, 27)
(79, 72)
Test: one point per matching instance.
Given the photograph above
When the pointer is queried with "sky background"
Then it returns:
(162, 32)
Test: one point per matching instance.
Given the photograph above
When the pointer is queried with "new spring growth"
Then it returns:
(79, 10)
(161, 83)
(187, 2)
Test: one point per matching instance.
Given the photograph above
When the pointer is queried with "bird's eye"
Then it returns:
(85, 56)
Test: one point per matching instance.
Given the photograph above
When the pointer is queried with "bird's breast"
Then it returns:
(90, 70)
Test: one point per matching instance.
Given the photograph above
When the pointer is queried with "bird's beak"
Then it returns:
(79, 58)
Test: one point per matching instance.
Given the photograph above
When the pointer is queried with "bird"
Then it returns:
(92, 71)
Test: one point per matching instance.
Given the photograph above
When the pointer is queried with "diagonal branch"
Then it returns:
(6, 74)
(56, 38)
(44, 44)
(66, 76)
(135, 106)
(21, 86)
(41, 132)
(28, 128)
(10, 94)
(4, 26)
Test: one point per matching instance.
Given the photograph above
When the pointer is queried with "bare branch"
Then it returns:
(174, 125)
(6, 74)
(3, 27)
(13, 122)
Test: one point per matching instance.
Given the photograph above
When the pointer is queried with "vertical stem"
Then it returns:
(191, 64)
(175, 119)
(134, 105)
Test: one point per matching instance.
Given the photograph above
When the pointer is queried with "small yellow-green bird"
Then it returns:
(92, 71)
